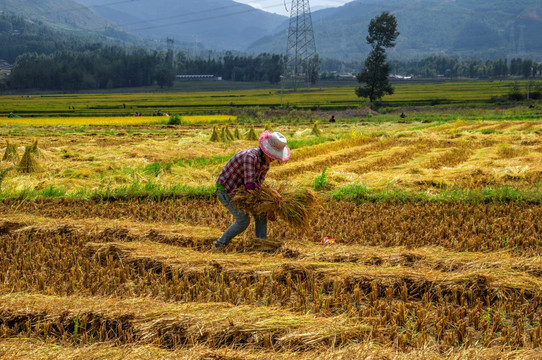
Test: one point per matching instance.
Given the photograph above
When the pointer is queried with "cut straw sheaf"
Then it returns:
(251, 135)
(28, 163)
(215, 136)
(315, 130)
(295, 207)
(11, 153)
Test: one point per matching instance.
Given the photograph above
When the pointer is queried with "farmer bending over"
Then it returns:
(248, 168)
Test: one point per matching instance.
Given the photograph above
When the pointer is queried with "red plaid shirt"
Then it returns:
(247, 166)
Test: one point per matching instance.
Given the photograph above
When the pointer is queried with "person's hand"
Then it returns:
(271, 216)
(277, 195)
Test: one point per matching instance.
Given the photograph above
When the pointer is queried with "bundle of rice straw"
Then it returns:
(214, 136)
(294, 208)
(28, 163)
(251, 135)
(228, 134)
(36, 150)
(11, 153)
(315, 130)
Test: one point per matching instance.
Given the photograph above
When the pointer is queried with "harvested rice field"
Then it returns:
(106, 241)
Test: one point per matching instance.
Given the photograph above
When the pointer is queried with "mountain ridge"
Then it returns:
(223, 24)
(485, 29)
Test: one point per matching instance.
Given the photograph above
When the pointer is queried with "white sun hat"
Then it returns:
(274, 145)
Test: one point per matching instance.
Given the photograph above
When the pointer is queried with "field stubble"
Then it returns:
(130, 278)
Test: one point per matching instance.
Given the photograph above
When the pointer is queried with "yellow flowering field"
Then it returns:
(116, 120)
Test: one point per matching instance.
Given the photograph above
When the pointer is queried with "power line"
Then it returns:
(177, 16)
(84, 6)
(250, 9)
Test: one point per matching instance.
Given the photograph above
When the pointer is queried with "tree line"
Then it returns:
(452, 67)
(108, 67)
(52, 60)
(448, 67)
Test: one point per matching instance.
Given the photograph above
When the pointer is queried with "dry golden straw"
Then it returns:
(295, 207)
(252, 134)
(315, 130)
(215, 137)
(228, 134)
(28, 163)
(11, 153)
(36, 150)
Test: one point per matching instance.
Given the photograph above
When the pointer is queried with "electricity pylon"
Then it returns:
(301, 47)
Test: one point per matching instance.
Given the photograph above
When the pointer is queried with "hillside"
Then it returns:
(212, 24)
(65, 14)
(19, 35)
(485, 29)
(428, 27)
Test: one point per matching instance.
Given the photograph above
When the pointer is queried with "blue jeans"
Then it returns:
(242, 220)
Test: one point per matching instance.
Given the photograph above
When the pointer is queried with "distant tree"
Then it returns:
(164, 76)
(515, 66)
(382, 34)
(536, 93)
(313, 68)
(274, 68)
(516, 93)
(527, 68)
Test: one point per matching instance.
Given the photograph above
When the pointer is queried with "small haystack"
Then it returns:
(36, 150)
(28, 163)
(228, 134)
(236, 133)
(315, 130)
(223, 136)
(11, 153)
(252, 134)
(215, 137)
(294, 208)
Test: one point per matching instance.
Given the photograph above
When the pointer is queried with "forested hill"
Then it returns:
(463, 28)
(467, 28)
(19, 35)
(212, 24)
(65, 14)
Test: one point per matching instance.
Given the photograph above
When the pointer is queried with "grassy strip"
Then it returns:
(204, 160)
(147, 191)
(360, 193)
(296, 144)
(357, 193)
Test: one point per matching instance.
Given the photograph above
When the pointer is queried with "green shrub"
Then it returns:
(320, 181)
(515, 93)
(174, 120)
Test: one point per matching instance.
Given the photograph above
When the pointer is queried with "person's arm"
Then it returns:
(249, 172)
